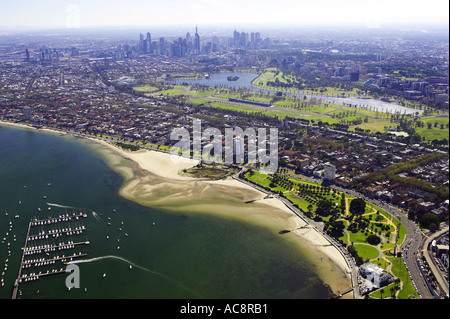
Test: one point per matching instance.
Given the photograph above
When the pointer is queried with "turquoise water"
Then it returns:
(172, 255)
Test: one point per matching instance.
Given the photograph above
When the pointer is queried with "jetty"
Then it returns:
(45, 253)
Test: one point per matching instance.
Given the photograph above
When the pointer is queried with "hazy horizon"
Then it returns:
(83, 14)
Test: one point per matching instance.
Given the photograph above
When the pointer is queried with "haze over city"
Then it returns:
(101, 13)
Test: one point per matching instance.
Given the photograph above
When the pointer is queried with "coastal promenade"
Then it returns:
(317, 226)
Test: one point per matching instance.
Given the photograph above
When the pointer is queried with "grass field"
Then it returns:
(146, 89)
(399, 270)
(273, 75)
(366, 251)
(313, 110)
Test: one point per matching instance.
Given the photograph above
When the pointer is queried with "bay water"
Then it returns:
(133, 251)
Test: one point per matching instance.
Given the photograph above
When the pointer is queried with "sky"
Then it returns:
(98, 13)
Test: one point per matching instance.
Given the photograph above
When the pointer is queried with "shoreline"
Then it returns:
(155, 182)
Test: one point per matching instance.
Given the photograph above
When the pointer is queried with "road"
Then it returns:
(430, 260)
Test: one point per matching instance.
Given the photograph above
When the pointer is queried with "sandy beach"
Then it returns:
(151, 179)
(227, 198)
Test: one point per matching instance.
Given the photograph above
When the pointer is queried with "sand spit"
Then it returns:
(159, 185)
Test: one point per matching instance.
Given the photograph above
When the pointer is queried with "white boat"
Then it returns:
(104, 275)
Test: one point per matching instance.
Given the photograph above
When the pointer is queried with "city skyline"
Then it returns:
(101, 13)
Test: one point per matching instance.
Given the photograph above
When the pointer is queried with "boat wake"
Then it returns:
(73, 207)
(96, 216)
(173, 281)
(60, 206)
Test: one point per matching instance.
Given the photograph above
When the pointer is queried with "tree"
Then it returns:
(357, 206)
(324, 208)
(428, 220)
(373, 240)
(336, 229)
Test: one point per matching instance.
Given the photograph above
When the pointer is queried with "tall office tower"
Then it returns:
(257, 37)
(215, 44)
(196, 42)
(236, 38)
(149, 43)
(184, 48)
(188, 43)
(141, 42)
(243, 40)
(177, 48)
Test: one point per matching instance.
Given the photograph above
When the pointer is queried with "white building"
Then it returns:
(374, 274)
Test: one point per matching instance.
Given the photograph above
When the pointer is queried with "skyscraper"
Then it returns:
(236, 37)
(149, 43)
(196, 42)
(162, 47)
(141, 42)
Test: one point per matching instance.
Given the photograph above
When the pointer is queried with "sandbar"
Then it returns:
(161, 186)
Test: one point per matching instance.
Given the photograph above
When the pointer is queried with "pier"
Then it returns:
(16, 283)
(42, 254)
(342, 294)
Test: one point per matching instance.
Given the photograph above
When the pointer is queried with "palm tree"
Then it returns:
(392, 289)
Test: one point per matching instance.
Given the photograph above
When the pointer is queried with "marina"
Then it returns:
(45, 253)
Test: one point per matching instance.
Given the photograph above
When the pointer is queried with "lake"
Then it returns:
(246, 78)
